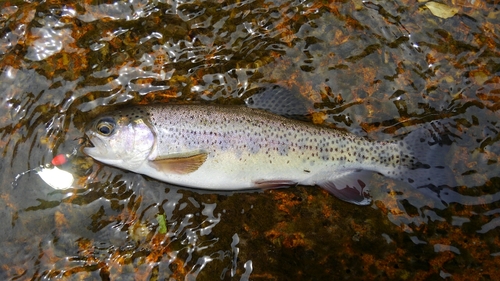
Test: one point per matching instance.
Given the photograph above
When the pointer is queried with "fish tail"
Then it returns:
(423, 158)
(426, 152)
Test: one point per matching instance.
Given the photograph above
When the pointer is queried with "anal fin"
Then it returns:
(179, 164)
(350, 187)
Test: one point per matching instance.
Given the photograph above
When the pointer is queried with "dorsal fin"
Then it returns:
(281, 101)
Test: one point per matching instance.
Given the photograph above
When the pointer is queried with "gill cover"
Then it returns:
(123, 139)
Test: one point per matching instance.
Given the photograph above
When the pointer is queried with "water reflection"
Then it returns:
(112, 230)
(374, 69)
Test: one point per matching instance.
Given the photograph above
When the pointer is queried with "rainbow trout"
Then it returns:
(234, 147)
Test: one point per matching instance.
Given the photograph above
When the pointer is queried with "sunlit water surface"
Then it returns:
(376, 69)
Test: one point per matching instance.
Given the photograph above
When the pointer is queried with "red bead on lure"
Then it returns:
(59, 160)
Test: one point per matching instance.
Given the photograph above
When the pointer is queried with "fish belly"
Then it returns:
(227, 172)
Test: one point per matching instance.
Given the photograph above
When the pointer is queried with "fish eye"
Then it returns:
(106, 126)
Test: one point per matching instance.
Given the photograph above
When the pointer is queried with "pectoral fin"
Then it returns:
(180, 165)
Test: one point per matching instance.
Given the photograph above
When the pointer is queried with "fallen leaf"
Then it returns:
(441, 10)
(162, 224)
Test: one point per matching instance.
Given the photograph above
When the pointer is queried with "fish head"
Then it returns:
(123, 139)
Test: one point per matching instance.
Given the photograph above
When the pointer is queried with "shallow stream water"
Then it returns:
(375, 69)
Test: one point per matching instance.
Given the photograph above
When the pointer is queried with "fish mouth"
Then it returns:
(91, 145)
(84, 142)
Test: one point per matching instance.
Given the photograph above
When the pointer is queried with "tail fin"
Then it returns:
(429, 147)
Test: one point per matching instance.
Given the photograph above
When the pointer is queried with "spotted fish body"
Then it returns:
(233, 148)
